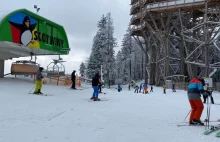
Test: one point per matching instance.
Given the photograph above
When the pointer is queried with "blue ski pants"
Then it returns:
(96, 91)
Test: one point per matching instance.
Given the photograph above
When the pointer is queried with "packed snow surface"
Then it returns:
(69, 116)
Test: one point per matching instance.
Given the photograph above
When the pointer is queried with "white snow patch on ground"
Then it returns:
(68, 116)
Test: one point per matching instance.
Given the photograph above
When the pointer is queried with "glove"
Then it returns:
(206, 93)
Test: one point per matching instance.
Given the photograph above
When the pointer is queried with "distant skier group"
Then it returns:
(138, 89)
(195, 89)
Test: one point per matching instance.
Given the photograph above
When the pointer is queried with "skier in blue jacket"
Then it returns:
(119, 88)
(140, 87)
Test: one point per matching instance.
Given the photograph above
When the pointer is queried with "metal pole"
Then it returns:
(206, 40)
(101, 73)
(37, 9)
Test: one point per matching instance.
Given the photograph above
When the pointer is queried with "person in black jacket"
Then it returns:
(95, 83)
(73, 78)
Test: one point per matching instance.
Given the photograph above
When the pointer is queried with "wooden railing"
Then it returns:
(59, 80)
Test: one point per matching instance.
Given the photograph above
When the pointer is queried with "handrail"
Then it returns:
(162, 4)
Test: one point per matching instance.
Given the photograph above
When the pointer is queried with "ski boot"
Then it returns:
(36, 93)
(199, 122)
(193, 123)
(39, 92)
(92, 98)
(97, 99)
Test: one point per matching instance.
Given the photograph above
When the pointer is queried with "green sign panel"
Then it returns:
(29, 29)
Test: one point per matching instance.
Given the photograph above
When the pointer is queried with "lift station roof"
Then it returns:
(24, 33)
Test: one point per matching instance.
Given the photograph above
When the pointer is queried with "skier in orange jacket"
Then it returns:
(195, 89)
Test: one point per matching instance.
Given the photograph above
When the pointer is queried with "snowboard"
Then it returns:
(212, 129)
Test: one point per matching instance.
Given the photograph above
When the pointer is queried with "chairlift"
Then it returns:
(56, 67)
(24, 67)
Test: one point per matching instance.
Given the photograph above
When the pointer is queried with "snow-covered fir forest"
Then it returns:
(117, 68)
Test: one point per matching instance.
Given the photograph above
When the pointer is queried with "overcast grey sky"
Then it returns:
(79, 18)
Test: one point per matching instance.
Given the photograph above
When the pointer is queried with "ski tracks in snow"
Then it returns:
(56, 115)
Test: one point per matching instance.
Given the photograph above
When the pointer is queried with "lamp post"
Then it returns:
(37, 10)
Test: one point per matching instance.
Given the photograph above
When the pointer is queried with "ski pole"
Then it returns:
(187, 115)
(206, 123)
(32, 89)
(208, 113)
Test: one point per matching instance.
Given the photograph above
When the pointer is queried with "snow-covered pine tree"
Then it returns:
(127, 50)
(103, 51)
(108, 51)
(130, 62)
(137, 61)
(119, 65)
(95, 59)
(82, 69)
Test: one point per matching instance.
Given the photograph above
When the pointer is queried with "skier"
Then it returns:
(151, 88)
(164, 89)
(129, 87)
(145, 88)
(140, 88)
(95, 82)
(73, 78)
(173, 88)
(119, 88)
(195, 88)
(136, 89)
(39, 83)
(205, 97)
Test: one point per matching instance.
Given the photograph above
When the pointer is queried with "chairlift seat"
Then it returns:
(24, 67)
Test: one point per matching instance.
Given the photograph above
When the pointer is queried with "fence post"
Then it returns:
(58, 79)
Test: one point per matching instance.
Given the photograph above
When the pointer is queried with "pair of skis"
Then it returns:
(98, 101)
(41, 94)
(206, 132)
(211, 130)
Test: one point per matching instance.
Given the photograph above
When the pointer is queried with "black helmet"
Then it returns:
(202, 81)
(41, 68)
(97, 75)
